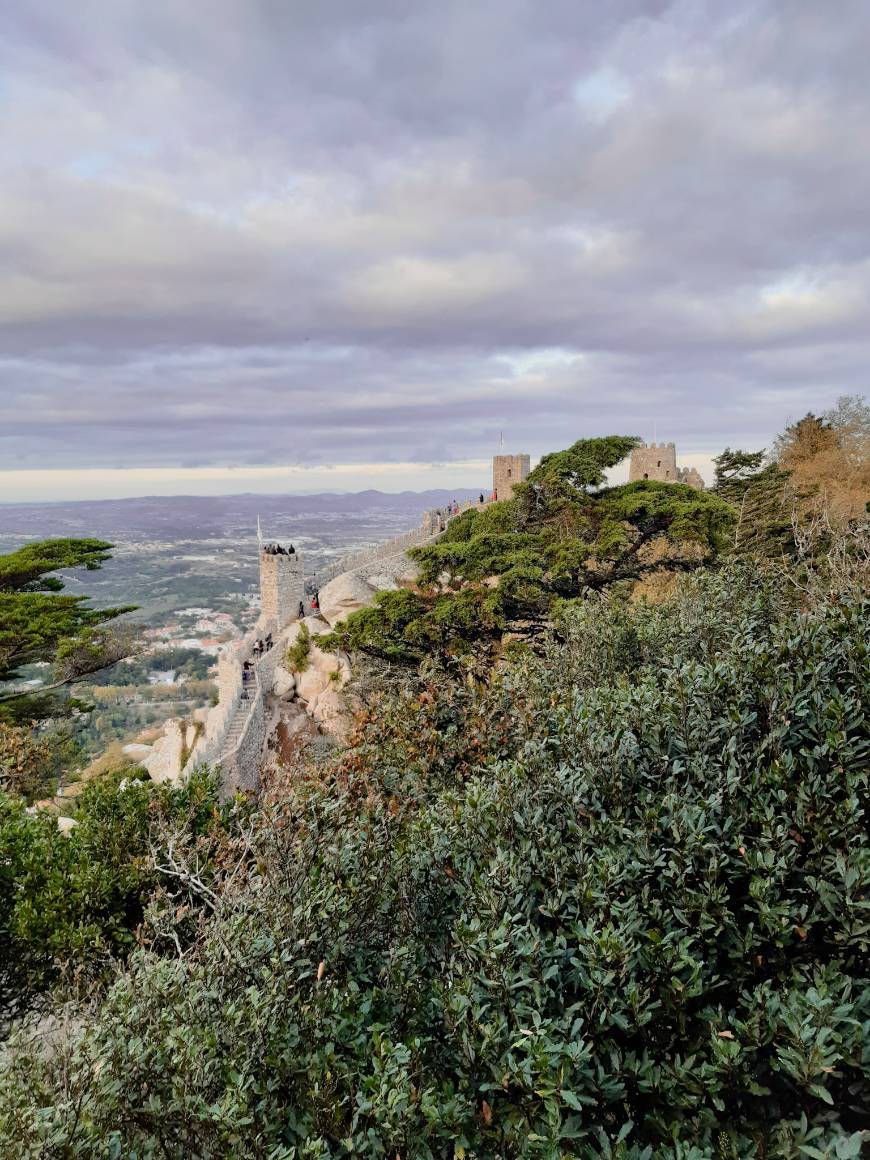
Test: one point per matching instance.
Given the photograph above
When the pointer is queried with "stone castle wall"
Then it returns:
(692, 477)
(429, 529)
(367, 560)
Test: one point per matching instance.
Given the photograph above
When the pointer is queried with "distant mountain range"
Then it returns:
(195, 517)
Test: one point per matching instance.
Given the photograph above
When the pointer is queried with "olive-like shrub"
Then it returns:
(614, 904)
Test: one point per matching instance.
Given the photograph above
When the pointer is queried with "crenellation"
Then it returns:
(658, 461)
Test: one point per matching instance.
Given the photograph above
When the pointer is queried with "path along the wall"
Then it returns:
(433, 524)
(235, 729)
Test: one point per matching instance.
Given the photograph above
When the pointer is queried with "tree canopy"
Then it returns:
(36, 622)
(40, 622)
(562, 534)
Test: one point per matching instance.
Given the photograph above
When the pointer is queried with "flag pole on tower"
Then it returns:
(259, 534)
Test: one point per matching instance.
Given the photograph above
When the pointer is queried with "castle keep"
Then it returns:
(282, 587)
(658, 461)
(508, 470)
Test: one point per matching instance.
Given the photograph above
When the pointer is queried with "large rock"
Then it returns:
(137, 751)
(330, 712)
(392, 573)
(284, 683)
(345, 594)
(324, 670)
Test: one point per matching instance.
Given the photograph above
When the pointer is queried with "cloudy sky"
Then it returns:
(269, 244)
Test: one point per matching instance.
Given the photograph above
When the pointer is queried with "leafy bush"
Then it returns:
(613, 904)
(73, 902)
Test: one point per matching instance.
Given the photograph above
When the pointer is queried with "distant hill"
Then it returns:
(193, 516)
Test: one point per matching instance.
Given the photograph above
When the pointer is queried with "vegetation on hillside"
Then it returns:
(610, 904)
(589, 880)
(561, 535)
(70, 904)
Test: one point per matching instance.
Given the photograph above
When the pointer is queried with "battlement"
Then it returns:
(658, 461)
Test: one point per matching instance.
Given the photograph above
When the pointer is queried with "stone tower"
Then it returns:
(506, 471)
(658, 461)
(654, 461)
(282, 586)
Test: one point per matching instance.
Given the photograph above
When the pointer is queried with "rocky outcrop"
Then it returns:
(323, 669)
(345, 594)
(330, 712)
(164, 761)
(284, 684)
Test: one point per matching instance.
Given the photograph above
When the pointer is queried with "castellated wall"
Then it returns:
(654, 461)
(429, 529)
(508, 470)
(366, 562)
(692, 477)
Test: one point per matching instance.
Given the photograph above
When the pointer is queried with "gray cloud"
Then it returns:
(261, 231)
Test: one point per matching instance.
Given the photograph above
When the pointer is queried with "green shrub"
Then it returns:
(613, 904)
(299, 653)
(73, 902)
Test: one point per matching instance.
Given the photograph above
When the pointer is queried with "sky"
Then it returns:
(273, 245)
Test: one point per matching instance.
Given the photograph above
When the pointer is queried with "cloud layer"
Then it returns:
(256, 232)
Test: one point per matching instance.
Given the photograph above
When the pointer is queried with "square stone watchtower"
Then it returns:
(508, 470)
(282, 585)
(654, 461)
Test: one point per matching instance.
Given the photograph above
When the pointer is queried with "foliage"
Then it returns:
(31, 759)
(611, 903)
(28, 569)
(828, 459)
(73, 902)
(38, 624)
(299, 653)
(763, 497)
(500, 569)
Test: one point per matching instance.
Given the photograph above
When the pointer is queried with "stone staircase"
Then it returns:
(240, 718)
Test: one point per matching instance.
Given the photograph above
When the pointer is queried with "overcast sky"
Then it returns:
(334, 240)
